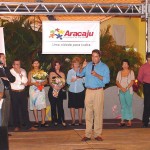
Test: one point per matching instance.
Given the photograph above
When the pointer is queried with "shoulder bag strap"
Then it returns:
(58, 74)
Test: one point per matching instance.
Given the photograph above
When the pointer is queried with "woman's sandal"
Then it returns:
(129, 124)
(121, 124)
(44, 125)
(36, 124)
(64, 124)
(55, 123)
(73, 124)
(80, 124)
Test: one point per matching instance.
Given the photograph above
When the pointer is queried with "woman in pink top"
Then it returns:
(144, 77)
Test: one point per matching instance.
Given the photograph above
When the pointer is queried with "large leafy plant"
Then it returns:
(21, 41)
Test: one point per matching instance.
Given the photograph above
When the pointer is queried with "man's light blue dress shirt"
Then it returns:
(92, 81)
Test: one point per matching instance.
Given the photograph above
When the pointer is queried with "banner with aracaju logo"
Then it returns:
(70, 37)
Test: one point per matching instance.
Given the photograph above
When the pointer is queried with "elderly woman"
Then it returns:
(124, 81)
(76, 91)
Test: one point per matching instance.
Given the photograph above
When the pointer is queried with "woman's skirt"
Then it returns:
(76, 100)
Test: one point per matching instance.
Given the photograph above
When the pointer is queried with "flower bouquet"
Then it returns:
(135, 86)
(39, 76)
(57, 81)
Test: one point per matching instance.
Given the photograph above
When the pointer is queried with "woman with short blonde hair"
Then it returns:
(76, 92)
(76, 60)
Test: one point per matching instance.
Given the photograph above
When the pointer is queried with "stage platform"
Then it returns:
(69, 138)
(129, 139)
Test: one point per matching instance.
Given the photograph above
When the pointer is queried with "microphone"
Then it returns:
(93, 65)
(1, 63)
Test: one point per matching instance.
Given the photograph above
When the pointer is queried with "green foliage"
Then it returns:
(113, 55)
(23, 42)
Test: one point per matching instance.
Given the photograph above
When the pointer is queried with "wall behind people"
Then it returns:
(134, 30)
(111, 106)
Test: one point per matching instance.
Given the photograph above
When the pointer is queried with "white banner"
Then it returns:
(2, 45)
(70, 37)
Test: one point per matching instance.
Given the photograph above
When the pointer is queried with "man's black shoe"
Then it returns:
(9, 134)
(84, 139)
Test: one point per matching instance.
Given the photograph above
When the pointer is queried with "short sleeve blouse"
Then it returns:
(125, 81)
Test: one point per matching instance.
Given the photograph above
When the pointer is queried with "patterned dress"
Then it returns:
(37, 97)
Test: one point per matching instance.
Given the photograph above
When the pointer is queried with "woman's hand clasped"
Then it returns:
(36, 84)
(123, 89)
(74, 78)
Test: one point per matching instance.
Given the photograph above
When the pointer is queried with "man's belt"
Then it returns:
(94, 88)
(18, 90)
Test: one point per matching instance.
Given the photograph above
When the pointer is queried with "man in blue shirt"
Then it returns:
(96, 76)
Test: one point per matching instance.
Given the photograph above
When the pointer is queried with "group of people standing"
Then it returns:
(86, 81)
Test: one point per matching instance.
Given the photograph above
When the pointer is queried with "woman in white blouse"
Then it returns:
(124, 81)
(76, 91)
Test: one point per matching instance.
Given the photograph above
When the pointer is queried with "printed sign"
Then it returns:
(70, 37)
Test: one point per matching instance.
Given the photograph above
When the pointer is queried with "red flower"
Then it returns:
(40, 87)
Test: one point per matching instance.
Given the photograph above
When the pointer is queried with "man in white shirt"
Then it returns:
(19, 97)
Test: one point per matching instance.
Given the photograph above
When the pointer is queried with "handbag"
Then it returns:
(64, 94)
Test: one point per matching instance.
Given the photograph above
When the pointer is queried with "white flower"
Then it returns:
(58, 81)
(39, 75)
(67, 60)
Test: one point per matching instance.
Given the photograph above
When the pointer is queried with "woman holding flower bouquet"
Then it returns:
(57, 82)
(37, 78)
